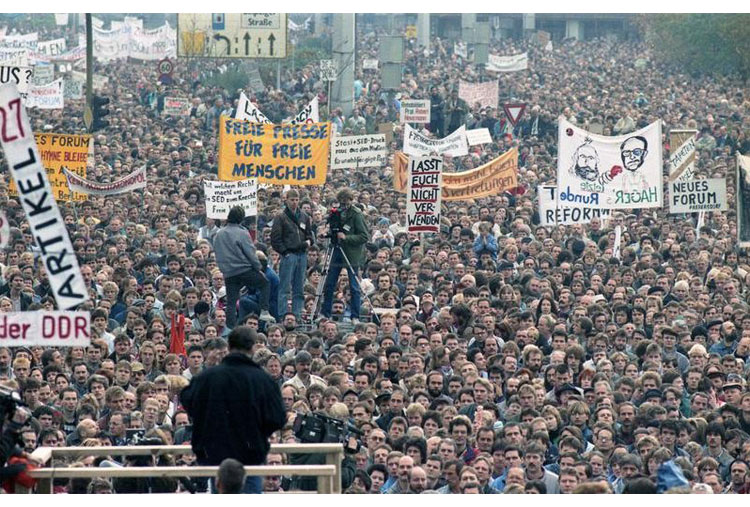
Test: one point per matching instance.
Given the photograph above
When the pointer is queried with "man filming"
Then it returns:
(348, 235)
(238, 262)
(12, 419)
(235, 406)
(291, 236)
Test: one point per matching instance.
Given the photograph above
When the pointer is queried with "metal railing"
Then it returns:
(328, 475)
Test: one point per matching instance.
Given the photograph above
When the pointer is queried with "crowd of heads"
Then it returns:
(541, 365)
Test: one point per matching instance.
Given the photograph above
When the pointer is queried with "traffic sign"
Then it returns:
(232, 35)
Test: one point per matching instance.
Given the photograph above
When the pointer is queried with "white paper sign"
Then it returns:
(35, 193)
(44, 74)
(508, 63)
(358, 151)
(550, 214)
(424, 194)
(620, 172)
(45, 328)
(329, 70)
(369, 64)
(486, 94)
(221, 196)
(20, 76)
(478, 136)
(51, 96)
(454, 145)
(415, 111)
(177, 106)
(698, 195)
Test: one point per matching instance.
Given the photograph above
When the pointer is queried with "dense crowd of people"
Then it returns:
(499, 356)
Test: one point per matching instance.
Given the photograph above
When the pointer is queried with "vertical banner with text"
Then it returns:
(423, 194)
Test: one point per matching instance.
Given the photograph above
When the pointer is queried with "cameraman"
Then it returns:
(349, 236)
(12, 419)
(348, 468)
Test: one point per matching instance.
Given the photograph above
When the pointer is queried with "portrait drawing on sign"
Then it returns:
(586, 162)
(633, 153)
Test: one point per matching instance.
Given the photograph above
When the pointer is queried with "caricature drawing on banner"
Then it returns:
(621, 172)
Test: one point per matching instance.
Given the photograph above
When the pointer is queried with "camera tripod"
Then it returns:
(332, 247)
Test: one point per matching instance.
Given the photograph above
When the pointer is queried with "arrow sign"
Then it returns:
(514, 112)
(218, 37)
(271, 39)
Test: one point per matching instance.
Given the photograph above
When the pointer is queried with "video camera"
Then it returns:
(317, 428)
(9, 401)
(335, 223)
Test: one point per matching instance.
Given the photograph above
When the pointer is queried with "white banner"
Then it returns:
(454, 145)
(51, 48)
(35, 193)
(16, 57)
(478, 136)
(550, 214)
(424, 194)
(698, 195)
(177, 106)
(369, 64)
(25, 41)
(415, 111)
(484, 93)
(129, 39)
(358, 151)
(508, 63)
(133, 181)
(309, 114)
(248, 111)
(621, 172)
(20, 76)
(50, 96)
(221, 196)
(45, 329)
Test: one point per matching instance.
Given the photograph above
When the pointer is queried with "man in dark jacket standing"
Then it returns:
(235, 406)
(349, 241)
(291, 236)
(238, 262)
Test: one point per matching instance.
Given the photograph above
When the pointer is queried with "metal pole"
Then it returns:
(89, 74)
(278, 74)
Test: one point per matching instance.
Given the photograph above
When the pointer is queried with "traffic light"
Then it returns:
(100, 112)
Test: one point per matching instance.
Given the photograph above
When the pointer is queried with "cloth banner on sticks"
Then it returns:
(423, 194)
(415, 111)
(45, 329)
(743, 200)
(550, 214)
(275, 154)
(44, 217)
(248, 111)
(621, 172)
(58, 150)
(508, 63)
(50, 96)
(454, 145)
(492, 178)
(358, 151)
(682, 155)
(133, 181)
(221, 196)
(486, 94)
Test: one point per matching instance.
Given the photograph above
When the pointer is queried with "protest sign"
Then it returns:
(45, 328)
(329, 70)
(56, 151)
(275, 154)
(309, 114)
(416, 144)
(221, 196)
(743, 200)
(508, 63)
(16, 57)
(24, 41)
(369, 64)
(35, 194)
(50, 96)
(358, 151)
(620, 172)
(177, 106)
(255, 81)
(51, 48)
(460, 49)
(387, 129)
(43, 74)
(486, 94)
(423, 194)
(133, 181)
(492, 178)
(698, 195)
(415, 111)
(73, 89)
(478, 136)
(247, 111)
(616, 250)
(550, 214)
(20, 76)
(4, 230)
(682, 155)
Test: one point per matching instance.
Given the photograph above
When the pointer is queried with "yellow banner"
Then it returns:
(495, 176)
(275, 154)
(58, 151)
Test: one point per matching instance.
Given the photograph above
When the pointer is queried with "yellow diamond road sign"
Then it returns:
(232, 35)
